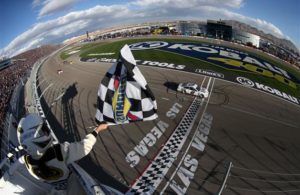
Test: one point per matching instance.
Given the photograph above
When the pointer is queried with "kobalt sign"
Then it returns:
(248, 83)
(223, 56)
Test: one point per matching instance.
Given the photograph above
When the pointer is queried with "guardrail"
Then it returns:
(36, 98)
(88, 183)
(8, 136)
(10, 153)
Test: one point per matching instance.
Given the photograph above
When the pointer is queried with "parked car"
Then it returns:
(193, 89)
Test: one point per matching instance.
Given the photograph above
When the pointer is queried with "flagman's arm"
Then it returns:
(76, 150)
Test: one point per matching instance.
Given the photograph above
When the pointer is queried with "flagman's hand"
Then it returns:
(101, 127)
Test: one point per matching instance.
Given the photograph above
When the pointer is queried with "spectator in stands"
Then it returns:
(11, 75)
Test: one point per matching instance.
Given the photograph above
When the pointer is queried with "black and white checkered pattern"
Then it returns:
(143, 104)
(154, 174)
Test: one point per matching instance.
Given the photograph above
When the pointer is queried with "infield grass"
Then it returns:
(169, 57)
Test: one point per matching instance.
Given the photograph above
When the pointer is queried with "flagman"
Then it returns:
(46, 161)
(124, 96)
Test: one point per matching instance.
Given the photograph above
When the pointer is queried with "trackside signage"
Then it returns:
(163, 65)
(220, 56)
(248, 83)
(210, 73)
(224, 57)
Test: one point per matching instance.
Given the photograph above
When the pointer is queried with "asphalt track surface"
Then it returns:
(257, 132)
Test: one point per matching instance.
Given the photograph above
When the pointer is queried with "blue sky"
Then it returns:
(27, 24)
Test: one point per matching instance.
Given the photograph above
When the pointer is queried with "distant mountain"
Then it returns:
(287, 44)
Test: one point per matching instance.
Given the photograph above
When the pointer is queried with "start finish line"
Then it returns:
(155, 172)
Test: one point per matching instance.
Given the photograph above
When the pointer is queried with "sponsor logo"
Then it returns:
(162, 64)
(140, 62)
(244, 81)
(209, 73)
(108, 60)
(248, 83)
(224, 57)
(232, 59)
(120, 103)
(220, 56)
(148, 45)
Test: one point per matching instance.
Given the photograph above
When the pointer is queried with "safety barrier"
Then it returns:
(10, 153)
(88, 183)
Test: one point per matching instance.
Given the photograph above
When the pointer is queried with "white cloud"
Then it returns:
(78, 22)
(188, 3)
(36, 3)
(62, 27)
(267, 27)
(203, 9)
(53, 6)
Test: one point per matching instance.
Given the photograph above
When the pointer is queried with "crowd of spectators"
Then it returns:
(10, 76)
(284, 54)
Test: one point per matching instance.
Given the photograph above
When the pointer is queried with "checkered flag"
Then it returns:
(124, 95)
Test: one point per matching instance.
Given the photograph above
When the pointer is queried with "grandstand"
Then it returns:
(12, 71)
(4, 63)
(219, 30)
(192, 28)
(245, 38)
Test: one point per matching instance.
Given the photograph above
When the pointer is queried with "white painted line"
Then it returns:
(183, 157)
(225, 179)
(203, 81)
(57, 98)
(60, 96)
(209, 82)
(48, 87)
(165, 98)
(41, 83)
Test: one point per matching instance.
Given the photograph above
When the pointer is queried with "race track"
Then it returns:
(257, 132)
